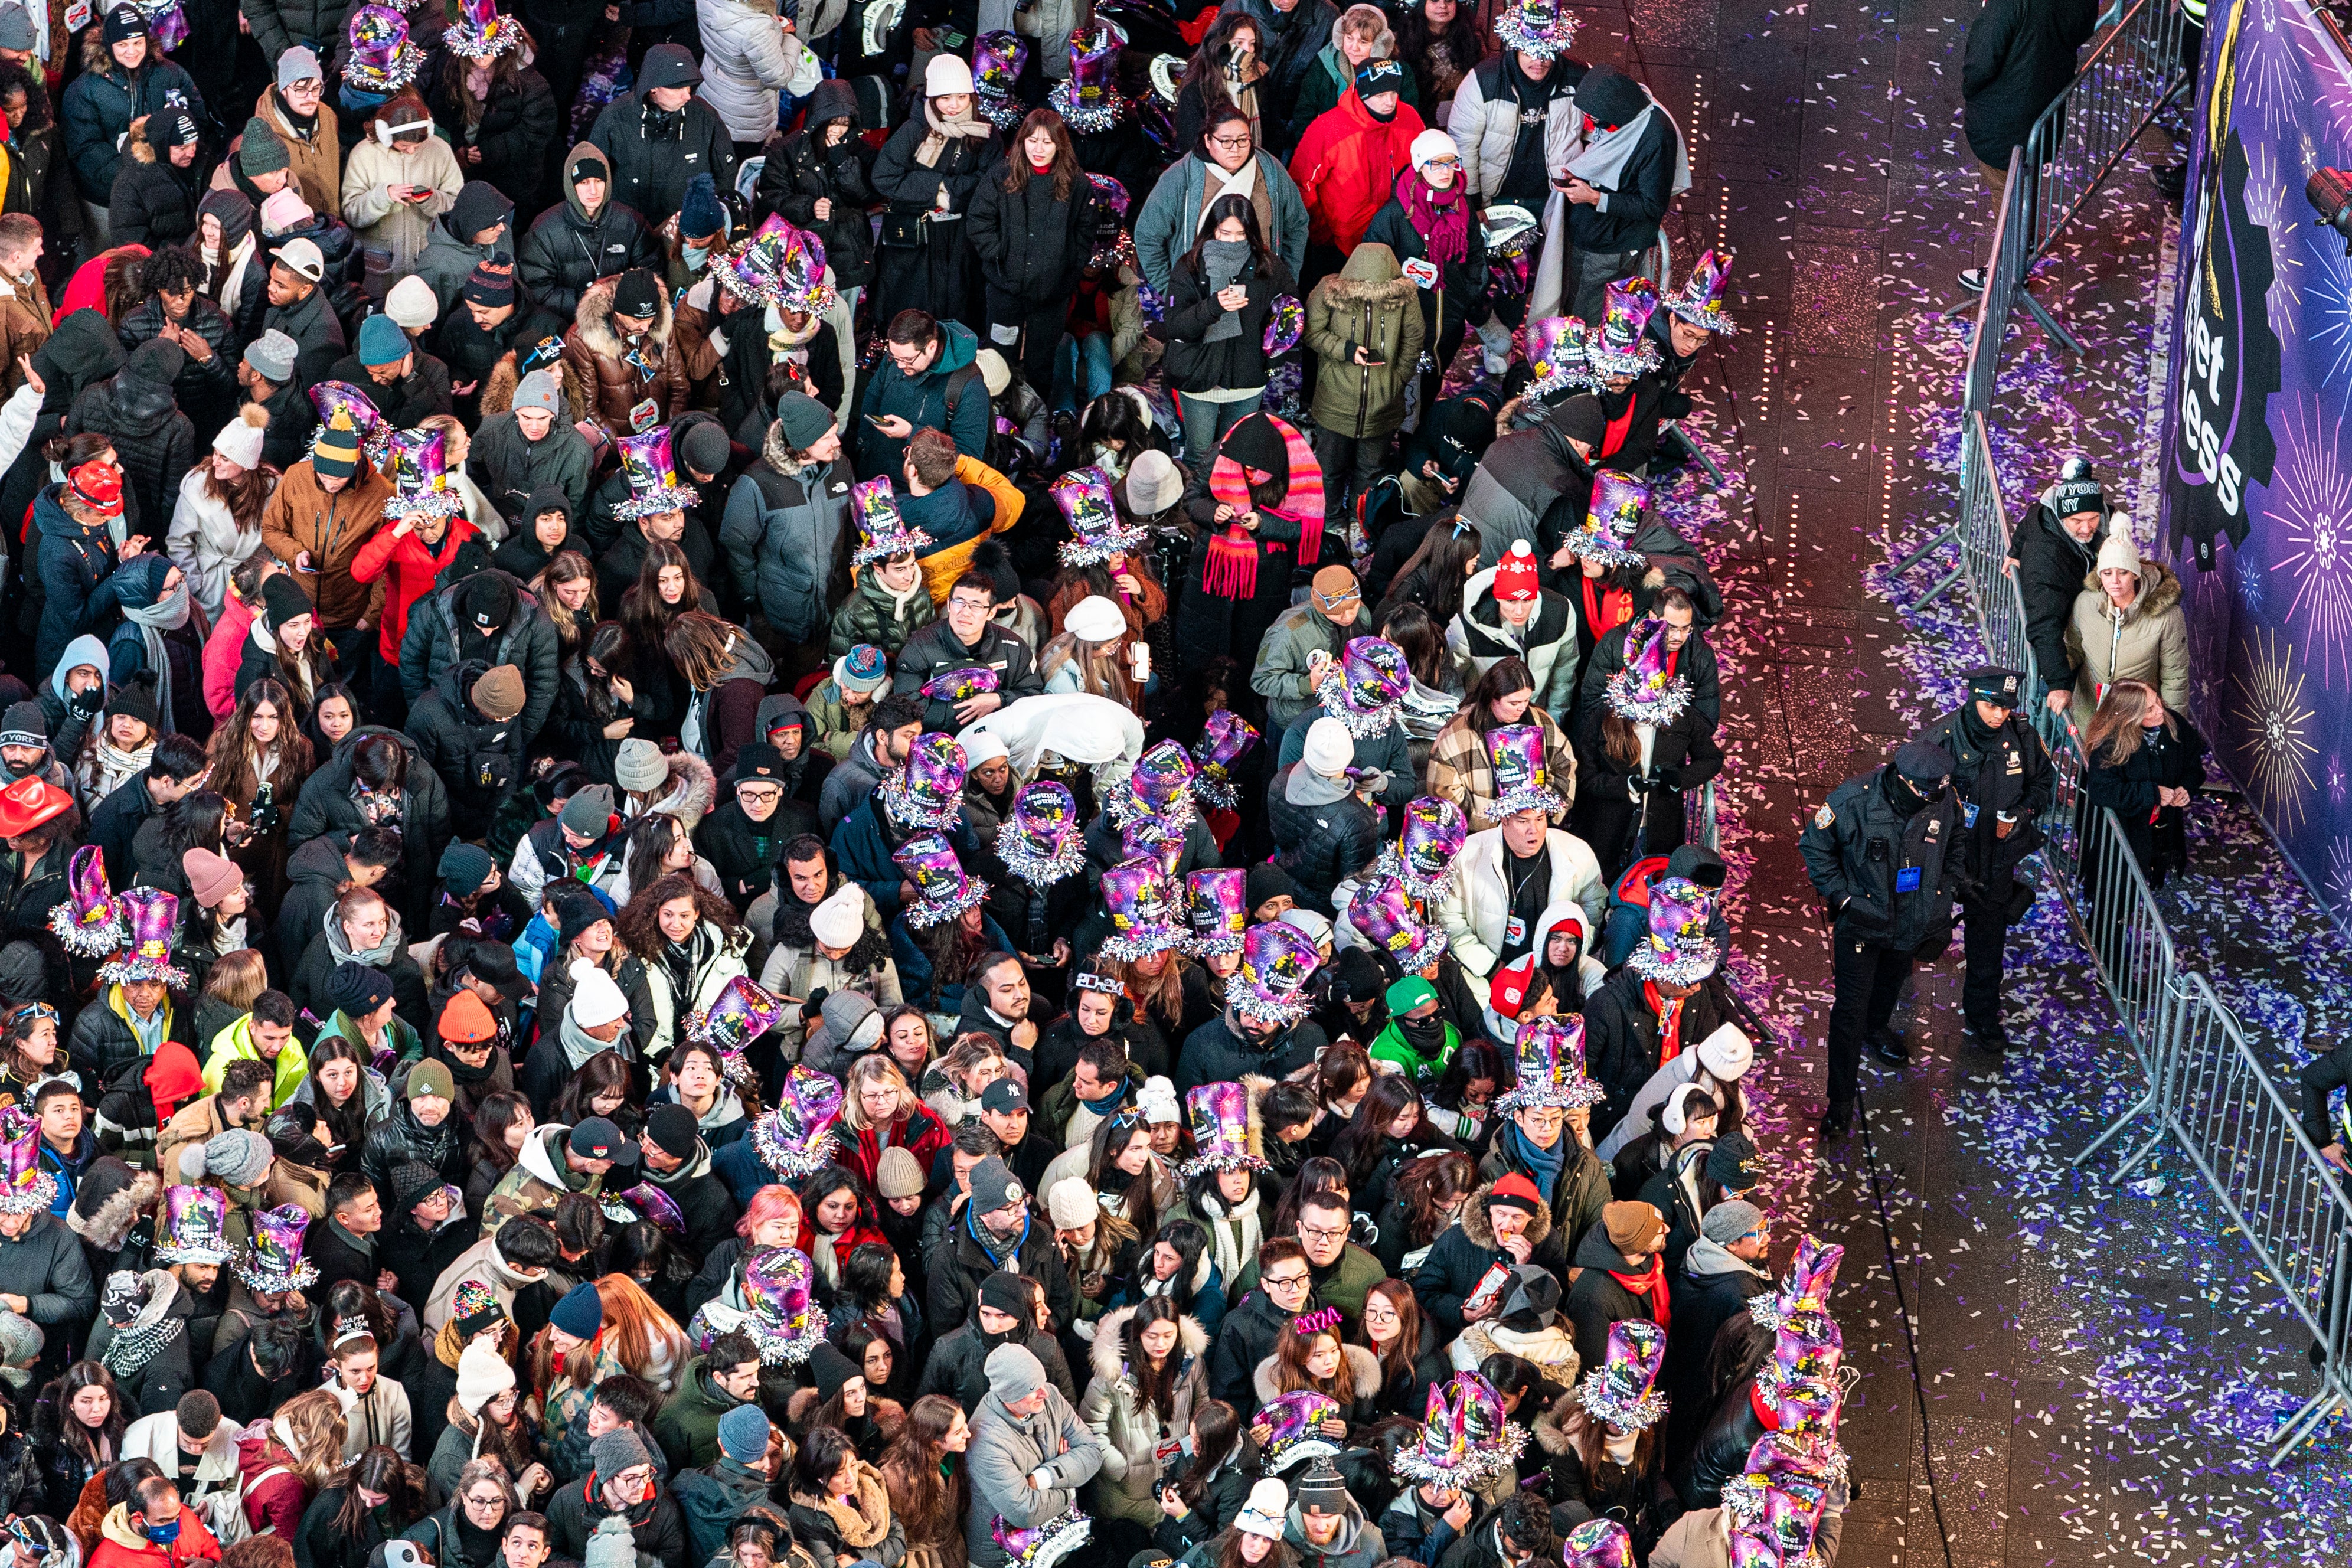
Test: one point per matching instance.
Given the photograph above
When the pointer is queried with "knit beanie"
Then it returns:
(744, 1434)
(617, 1450)
(356, 989)
(474, 1308)
(588, 812)
(210, 877)
(1006, 1293)
(581, 1312)
(238, 1156)
(671, 1128)
(498, 693)
(610, 1546)
(596, 1001)
(482, 1375)
(1730, 1220)
(898, 1174)
(830, 1369)
(261, 151)
(1014, 1373)
(1071, 1203)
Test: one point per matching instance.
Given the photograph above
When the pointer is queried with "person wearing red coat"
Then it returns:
(1348, 162)
(840, 1219)
(123, 1543)
(410, 553)
(882, 1111)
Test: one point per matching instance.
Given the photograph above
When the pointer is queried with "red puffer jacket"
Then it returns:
(1347, 165)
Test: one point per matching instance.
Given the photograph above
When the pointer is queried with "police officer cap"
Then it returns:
(1990, 683)
(1922, 763)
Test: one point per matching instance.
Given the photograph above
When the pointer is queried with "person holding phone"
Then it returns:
(396, 184)
(1364, 324)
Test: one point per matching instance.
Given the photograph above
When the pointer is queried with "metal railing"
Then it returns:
(2122, 86)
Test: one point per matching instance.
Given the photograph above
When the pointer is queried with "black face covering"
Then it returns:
(1903, 795)
(1426, 1034)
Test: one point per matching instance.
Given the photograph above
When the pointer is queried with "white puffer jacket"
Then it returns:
(1486, 129)
(1476, 913)
(747, 60)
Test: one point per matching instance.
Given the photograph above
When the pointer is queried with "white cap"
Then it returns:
(945, 75)
(1269, 1502)
(1726, 1053)
(1433, 144)
(1157, 1100)
(840, 920)
(240, 439)
(1329, 748)
(1315, 928)
(1071, 1204)
(411, 303)
(1094, 620)
(981, 746)
(304, 256)
(596, 1001)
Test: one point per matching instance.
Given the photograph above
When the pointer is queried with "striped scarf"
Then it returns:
(1230, 572)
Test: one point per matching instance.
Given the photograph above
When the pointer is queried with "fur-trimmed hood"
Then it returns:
(116, 1213)
(2159, 590)
(1371, 277)
(1106, 1355)
(1478, 1226)
(1550, 1424)
(887, 1414)
(1551, 1348)
(1363, 1370)
(594, 321)
(690, 790)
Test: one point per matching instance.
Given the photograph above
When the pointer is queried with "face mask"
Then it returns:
(1902, 795)
(1185, 1443)
(1429, 1031)
(1620, 1449)
(161, 1534)
(697, 256)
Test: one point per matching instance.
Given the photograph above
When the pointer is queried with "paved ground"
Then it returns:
(2050, 1370)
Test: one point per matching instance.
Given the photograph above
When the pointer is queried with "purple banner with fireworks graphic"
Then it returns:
(2257, 469)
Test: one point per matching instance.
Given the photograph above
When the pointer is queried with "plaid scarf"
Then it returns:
(1230, 572)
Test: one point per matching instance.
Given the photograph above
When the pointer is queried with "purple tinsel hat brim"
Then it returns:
(482, 43)
(655, 502)
(407, 63)
(1509, 29)
(907, 814)
(1630, 702)
(1087, 118)
(34, 1197)
(929, 913)
(1013, 847)
(1341, 704)
(1576, 1094)
(1251, 1003)
(305, 1273)
(1710, 317)
(426, 504)
(1393, 866)
(90, 941)
(131, 971)
(794, 1160)
(1537, 795)
(1146, 939)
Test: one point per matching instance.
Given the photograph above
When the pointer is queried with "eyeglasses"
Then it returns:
(1318, 1233)
(490, 1502)
(1289, 1282)
(965, 602)
(1230, 143)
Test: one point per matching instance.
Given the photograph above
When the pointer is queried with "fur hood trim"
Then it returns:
(105, 1229)
(691, 773)
(97, 56)
(1363, 1367)
(1390, 293)
(776, 452)
(1106, 1354)
(1551, 1424)
(135, 145)
(1253, 1134)
(1478, 1226)
(1383, 47)
(888, 1415)
(2159, 590)
(594, 321)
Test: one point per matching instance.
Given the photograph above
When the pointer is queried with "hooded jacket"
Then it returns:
(1463, 1253)
(2146, 640)
(121, 1546)
(1347, 166)
(1359, 1543)
(1622, 1039)
(155, 441)
(746, 59)
(154, 200)
(803, 171)
(654, 154)
(603, 383)
(2052, 566)
(924, 399)
(567, 250)
(1005, 1450)
(2018, 58)
(100, 103)
(511, 466)
(325, 803)
(523, 556)
(398, 554)
(783, 535)
(1126, 1425)
(394, 232)
(1369, 305)
(539, 1178)
(77, 568)
(430, 648)
(1479, 638)
(450, 255)
(935, 648)
(1032, 246)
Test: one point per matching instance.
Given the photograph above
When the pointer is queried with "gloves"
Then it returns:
(85, 704)
(815, 1003)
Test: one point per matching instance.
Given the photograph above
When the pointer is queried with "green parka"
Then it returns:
(1370, 304)
(872, 613)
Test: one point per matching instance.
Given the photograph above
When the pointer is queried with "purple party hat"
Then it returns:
(646, 1201)
(1040, 840)
(1041, 1546)
(941, 889)
(420, 476)
(800, 282)
(1609, 522)
(998, 60)
(1807, 1345)
(1277, 961)
(927, 790)
(25, 1187)
(1424, 856)
(1098, 537)
(167, 23)
(1110, 193)
(1224, 741)
(1700, 302)
(1216, 906)
(1493, 1438)
(1556, 354)
(781, 1315)
(882, 532)
(1294, 1423)
(190, 1229)
(1365, 685)
(1550, 1062)
(1382, 914)
(1678, 952)
(1440, 1454)
(1623, 1391)
(154, 919)
(1286, 324)
(739, 1014)
(1536, 27)
(1646, 688)
(1522, 772)
(1807, 1404)
(1153, 839)
(1224, 1130)
(1780, 1461)
(1621, 344)
(1089, 97)
(653, 477)
(1811, 1273)
(1597, 1543)
(383, 59)
(89, 922)
(962, 684)
(753, 269)
(796, 1138)
(1142, 899)
(1160, 785)
(273, 1261)
(481, 32)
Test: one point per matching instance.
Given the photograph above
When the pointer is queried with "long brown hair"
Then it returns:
(379, 1469)
(245, 494)
(1432, 1187)
(1217, 1432)
(638, 924)
(1067, 172)
(572, 629)
(231, 751)
(701, 645)
(644, 611)
(1162, 994)
(2115, 730)
(920, 1494)
(1293, 1345)
(506, 71)
(1503, 676)
(1397, 1361)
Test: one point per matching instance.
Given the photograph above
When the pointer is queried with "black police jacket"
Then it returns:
(2012, 774)
(1888, 879)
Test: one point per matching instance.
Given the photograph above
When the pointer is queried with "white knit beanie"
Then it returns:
(1072, 1204)
(840, 920)
(482, 1375)
(596, 1001)
(240, 439)
(1434, 143)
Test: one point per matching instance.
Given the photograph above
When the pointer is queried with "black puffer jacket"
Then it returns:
(408, 402)
(1236, 363)
(518, 125)
(1320, 844)
(655, 154)
(567, 250)
(156, 442)
(1620, 1041)
(2051, 567)
(400, 1138)
(101, 103)
(326, 804)
(205, 389)
(1722, 1450)
(154, 200)
(480, 759)
(279, 25)
(1031, 247)
(801, 170)
(429, 650)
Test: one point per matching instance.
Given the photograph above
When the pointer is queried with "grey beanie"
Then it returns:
(17, 29)
(639, 765)
(617, 1450)
(271, 356)
(238, 1157)
(1730, 1220)
(590, 811)
(1014, 1372)
(848, 1014)
(21, 1338)
(613, 1544)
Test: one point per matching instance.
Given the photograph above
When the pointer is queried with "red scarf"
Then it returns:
(1651, 1282)
(1230, 572)
(1607, 607)
(1440, 218)
(1670, 1021)
(1619, 428)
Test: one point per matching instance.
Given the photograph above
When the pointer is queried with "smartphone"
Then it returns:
(1372, 360)
(870, 419)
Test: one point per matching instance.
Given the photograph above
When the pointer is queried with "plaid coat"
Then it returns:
(1460, 769)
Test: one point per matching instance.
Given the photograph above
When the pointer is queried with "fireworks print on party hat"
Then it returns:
(1089, 97)
(1040, 841)
(1097, 535)
(1808, 1345)
(273, 1261)
(741, 1012)
(1277, 961)
(153, 916)
(1494, 1439)
(1224, 741)
(1382, 914)
(89, 922)
(753, 270)
(927, 789)
(1424, 856)
(420, 476)
(1217, 908)
(1790, 1516)
(1645, 689)
(1286, 324)
(801, 284)
(998, 60)
(1153, 839)
(652, 474)
(1609, 522)
(167, 24)
(1041, 1545)
(882, 532)
(1294, 1422)
(1556, 357)
(796, 1138)
(25, 1187)
(962, 684)
(1780, 1461)
(1623, 1391)
(1621, 344)
(943, 891)
(645, 1201)
(779, 1316)
(1811, 1273)
(191, 1227)
(1365, 686)
(1597, 1544)
(1160, 785)
(1550, 1063)
(1224, 1130)
(1677, 950)
(1110, 193)
(1439, 1455)
(382, 58)
(1522, 772)
(1536, 27)
(1746, 1550)
(1700, 299)
(1806, 1405)
(480, 32)
(1142, 899)
(330, 398)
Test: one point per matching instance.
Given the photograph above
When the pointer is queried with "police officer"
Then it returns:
(2002, 776)
(1881, 855)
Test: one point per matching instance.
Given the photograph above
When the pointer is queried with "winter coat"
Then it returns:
(578, 1507)
(2052, 568)
(205, 543)
(948, 396)
(1486, 124)
(1458, 1259)
(1621, 1042)
(430, 648)
(935, 648)
(1725, 1439)
(448, 259)
(510, 465)
(955, 1278)
(2018, 59)
(100, 103)
(917, 250)
(2146, 640)
(801, 170)
(154, 201)
(393, 234)
(1630, 810)
(408, 566)
(302, 517)
(1644, 193)
(873, 614)
(1369, 304)
(1458, 292)
(747, 58)
(784, 534)
(479, 758)
(1213, 1053)
(1005, 1450)
(1462, 770)
(2157, 833)
(1710, 1290)
(1129, 1429)
(325, 803)
(566, 249)
(1347, 165)
(1480, 638)
(1324, 832)
(155, 441)
(1280, 672)
(313, 324)
(1290, 42)
(651, 166)
(601, 386)
(1032, 246)
(1597, 1298)
(1194, 363)
(1169, 223)
(77, 569)
(670, 1009)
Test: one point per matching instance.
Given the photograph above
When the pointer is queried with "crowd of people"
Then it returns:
(879, 786)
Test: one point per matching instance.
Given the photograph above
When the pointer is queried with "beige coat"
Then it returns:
(397, 226)
(2148, 641)
(1130, 1430)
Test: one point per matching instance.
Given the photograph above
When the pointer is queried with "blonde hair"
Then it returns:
(455, 443)
(314, 1421)
(634, 1324)
(2117, 731)
(237, 978)
(875, 1068)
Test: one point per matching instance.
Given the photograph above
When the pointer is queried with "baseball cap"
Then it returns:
(598, 1139)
